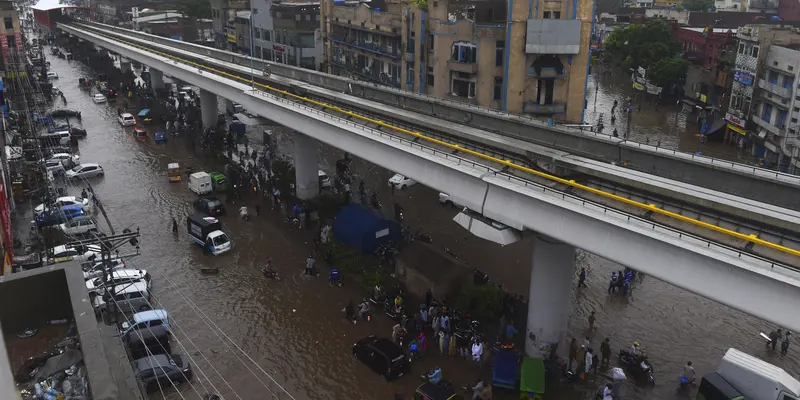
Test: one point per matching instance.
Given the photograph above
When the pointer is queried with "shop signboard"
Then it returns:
(734, 120)
(744, 77)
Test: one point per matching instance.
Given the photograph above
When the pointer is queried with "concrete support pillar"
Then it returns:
(549, 301)
(156, 79)
(306, 165)
(229, 106)
(209, 108)
(124, 65)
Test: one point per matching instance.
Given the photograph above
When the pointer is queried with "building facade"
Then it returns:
(287, 32)
(223, 14)
(518, 57)
(789, 10)
(764, 107)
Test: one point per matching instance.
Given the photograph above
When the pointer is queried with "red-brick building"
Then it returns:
(705, 46)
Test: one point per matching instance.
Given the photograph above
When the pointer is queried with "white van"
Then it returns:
(123, 276)
(145, 320)
(200, 183)
(58, 138)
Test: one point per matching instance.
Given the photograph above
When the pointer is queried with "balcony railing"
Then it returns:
(370, 75)
(775, 89)
(766, 125)
(536, 108)
(470, 68)
(367, 46)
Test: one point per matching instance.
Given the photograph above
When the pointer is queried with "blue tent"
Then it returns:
(364, 229)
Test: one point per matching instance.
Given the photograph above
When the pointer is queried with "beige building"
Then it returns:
(531, 60)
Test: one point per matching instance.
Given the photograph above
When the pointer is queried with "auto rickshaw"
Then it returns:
(144, 115)
(505, 368)
(139, 134)
(429, 391)
(174, 172)
(219, 182)
(531, 384)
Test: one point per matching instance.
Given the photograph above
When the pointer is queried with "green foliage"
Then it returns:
(485, 302)
(284, 175)
(641, 45)
(421, 4)
(667, 70)
(698, 5)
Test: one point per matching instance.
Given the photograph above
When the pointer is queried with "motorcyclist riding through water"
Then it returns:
(243, 213)
(398, 304)
(270, 271)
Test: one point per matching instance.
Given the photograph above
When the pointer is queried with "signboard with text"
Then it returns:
(734, 120)
(4, 46)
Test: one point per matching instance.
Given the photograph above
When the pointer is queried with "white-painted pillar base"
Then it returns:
(306, 165)
(549, 302)
(156, 79)
(209, 108)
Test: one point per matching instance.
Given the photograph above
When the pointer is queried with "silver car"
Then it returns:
(83, 171)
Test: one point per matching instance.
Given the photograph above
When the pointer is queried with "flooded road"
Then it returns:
(238, 327)
(671, 125)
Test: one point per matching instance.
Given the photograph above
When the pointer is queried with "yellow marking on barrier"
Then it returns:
(650, 207)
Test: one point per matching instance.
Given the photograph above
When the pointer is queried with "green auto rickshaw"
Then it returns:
(219, 182)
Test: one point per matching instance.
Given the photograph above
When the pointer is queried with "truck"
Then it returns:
(207, 232)
(741, 376)
(200, 183)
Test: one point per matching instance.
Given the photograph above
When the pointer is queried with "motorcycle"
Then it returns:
(638, 365)
(366, 314)
(270, 274)
(389, 309)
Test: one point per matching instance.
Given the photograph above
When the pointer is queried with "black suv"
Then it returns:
(382, 356)
(162, 369)
(209, 205)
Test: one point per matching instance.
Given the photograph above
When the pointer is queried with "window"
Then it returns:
(790, 67)
(766, 112)
(266, 35)
(410, 46)
(429, 78)
(316, 17)
(755, 51)
(796, 109)
(498, 87)
(552, 15)
(788, 82)
(499, 51)
(780, 122)
(257, 33)
(297, 17)
(741, 48)
(794, 120)
(431, 41)
(308, 17)
(394, 71)
(307, 40)
(465, 53)
(772, 77)
(8, 22)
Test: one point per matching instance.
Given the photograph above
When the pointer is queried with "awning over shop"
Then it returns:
(485, 228)
(737, 129)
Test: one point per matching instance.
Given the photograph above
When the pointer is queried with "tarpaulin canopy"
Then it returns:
(47, 5)
(363, 229)
(60, 363)
(532, 378)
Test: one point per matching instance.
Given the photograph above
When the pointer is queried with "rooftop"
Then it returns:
(715, 30)
(47, 5)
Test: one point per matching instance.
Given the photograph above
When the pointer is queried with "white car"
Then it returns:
(54, 166)
(99, 98)
(126, 120)
(61, 202)
(118, 277)
(52, 75)
(83, 171)
(445, 199)
(401, 182)
(97, 268)
(82, 253)
(79, 226)
(64, 157)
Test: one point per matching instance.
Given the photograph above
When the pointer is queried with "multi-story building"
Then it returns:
(223, 13)
(765, 107)
(789, 10)
(762, 6)
(287, 31)
(10, 35)
(519, 57)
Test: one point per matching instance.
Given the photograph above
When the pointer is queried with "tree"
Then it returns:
(698, 5)
(667, 70)
(641, 45)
